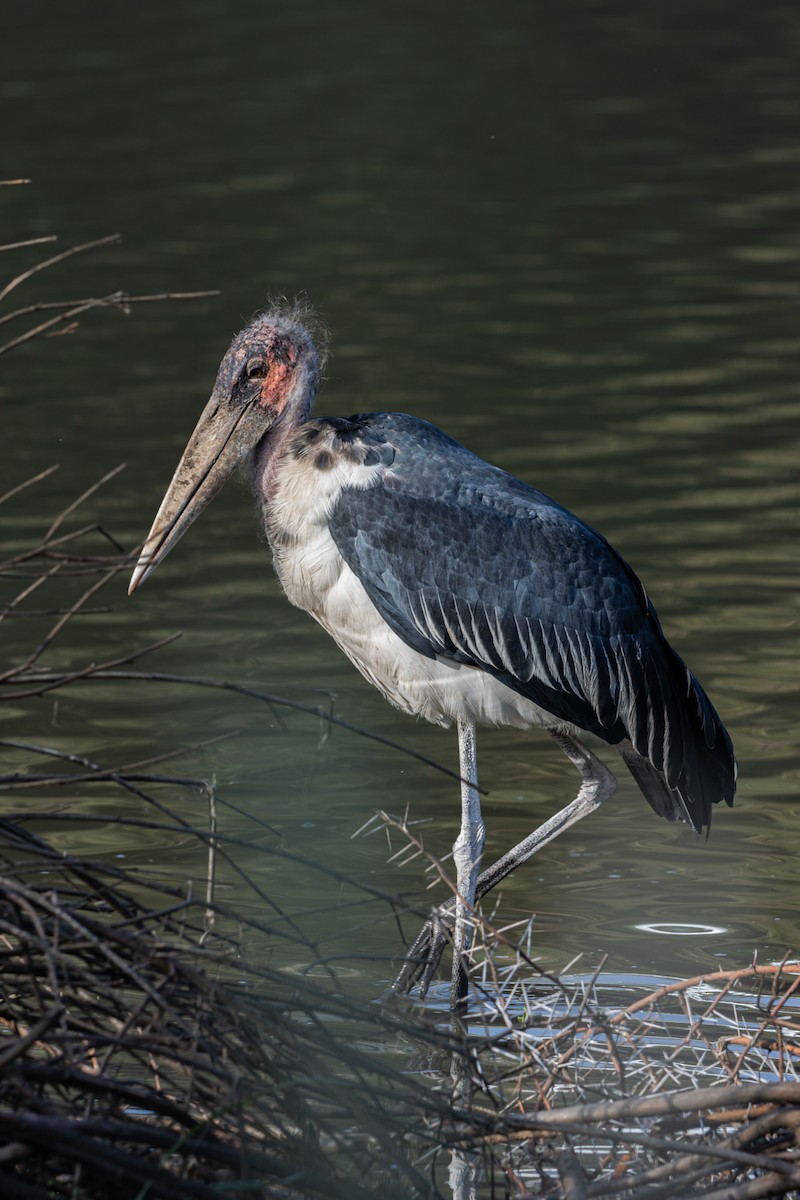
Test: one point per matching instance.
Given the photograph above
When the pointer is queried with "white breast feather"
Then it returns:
(316, 578)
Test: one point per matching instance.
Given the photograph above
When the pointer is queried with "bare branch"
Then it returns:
(50, 237)
(57, 258)
(117, 300)
(28, 483)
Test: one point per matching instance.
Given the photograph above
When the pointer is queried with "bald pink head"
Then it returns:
(265, 385)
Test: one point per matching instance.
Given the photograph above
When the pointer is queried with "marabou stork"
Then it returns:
(461, 593)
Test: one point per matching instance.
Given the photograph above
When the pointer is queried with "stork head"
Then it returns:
(266, 382)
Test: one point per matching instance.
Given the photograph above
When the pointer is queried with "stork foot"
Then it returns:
(424, 956)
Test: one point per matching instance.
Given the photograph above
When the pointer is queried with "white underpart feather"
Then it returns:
(316, 579)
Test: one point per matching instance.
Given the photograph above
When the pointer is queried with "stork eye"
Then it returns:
(256, 369)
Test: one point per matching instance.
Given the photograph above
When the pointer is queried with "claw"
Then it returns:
(425, 954)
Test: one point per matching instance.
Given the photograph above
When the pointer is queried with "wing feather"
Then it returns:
(468, 563)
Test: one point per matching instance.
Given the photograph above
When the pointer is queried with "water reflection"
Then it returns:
(681, 929)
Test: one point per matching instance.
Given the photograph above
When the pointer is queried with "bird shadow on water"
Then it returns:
(184, 1026)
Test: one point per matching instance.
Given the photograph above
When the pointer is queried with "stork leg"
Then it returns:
(467, 851)
(597, 784)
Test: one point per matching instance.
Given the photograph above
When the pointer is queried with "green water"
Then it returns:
(566, 235)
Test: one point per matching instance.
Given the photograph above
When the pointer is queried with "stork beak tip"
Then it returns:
(137, 578)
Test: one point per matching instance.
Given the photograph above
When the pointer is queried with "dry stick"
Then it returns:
(577, 1037)
(74, 534)
(63, 756)
(136, 1012)
(198, 983)
(12, 182)
(28, 482)
(113, 300)
(94, 999)
(752, 1189)
(29, 908)
(668, 1103)
(212, 857)
(767, 1021)
(771, 971)
(66, 1140)
(782, 999)
(22, 1044)
(27, 591)
(123, 299)
(90, 491)
(272, 929)
(696, 980)
(47, 550)
(60, 623)
(61, 679)
(100, 944)
(50, 237)
(89, 1141)
(667, 1146)
(49, 538)
(695, 1026)
(157, 914)
(570, 1172)
(92, 875)
(776, 1119)
(57, 258)
(74, 566)
(97, 773)
(678, 1187)
(136, 1094)
(89, 876)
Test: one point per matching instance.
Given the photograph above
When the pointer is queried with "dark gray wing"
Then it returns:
(466, 562)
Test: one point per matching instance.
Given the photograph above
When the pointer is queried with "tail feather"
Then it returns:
(653, 786)
(695, 767)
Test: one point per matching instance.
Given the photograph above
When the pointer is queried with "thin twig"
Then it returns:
(57, 258)
(50, 237)
(28, 483)
(120, 300)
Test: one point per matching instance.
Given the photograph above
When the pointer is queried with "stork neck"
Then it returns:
(265, 460)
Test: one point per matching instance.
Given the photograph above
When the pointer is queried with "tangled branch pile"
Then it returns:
(141, 1049)
(691, 1089)
(596, 1085)
(127, 1060)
